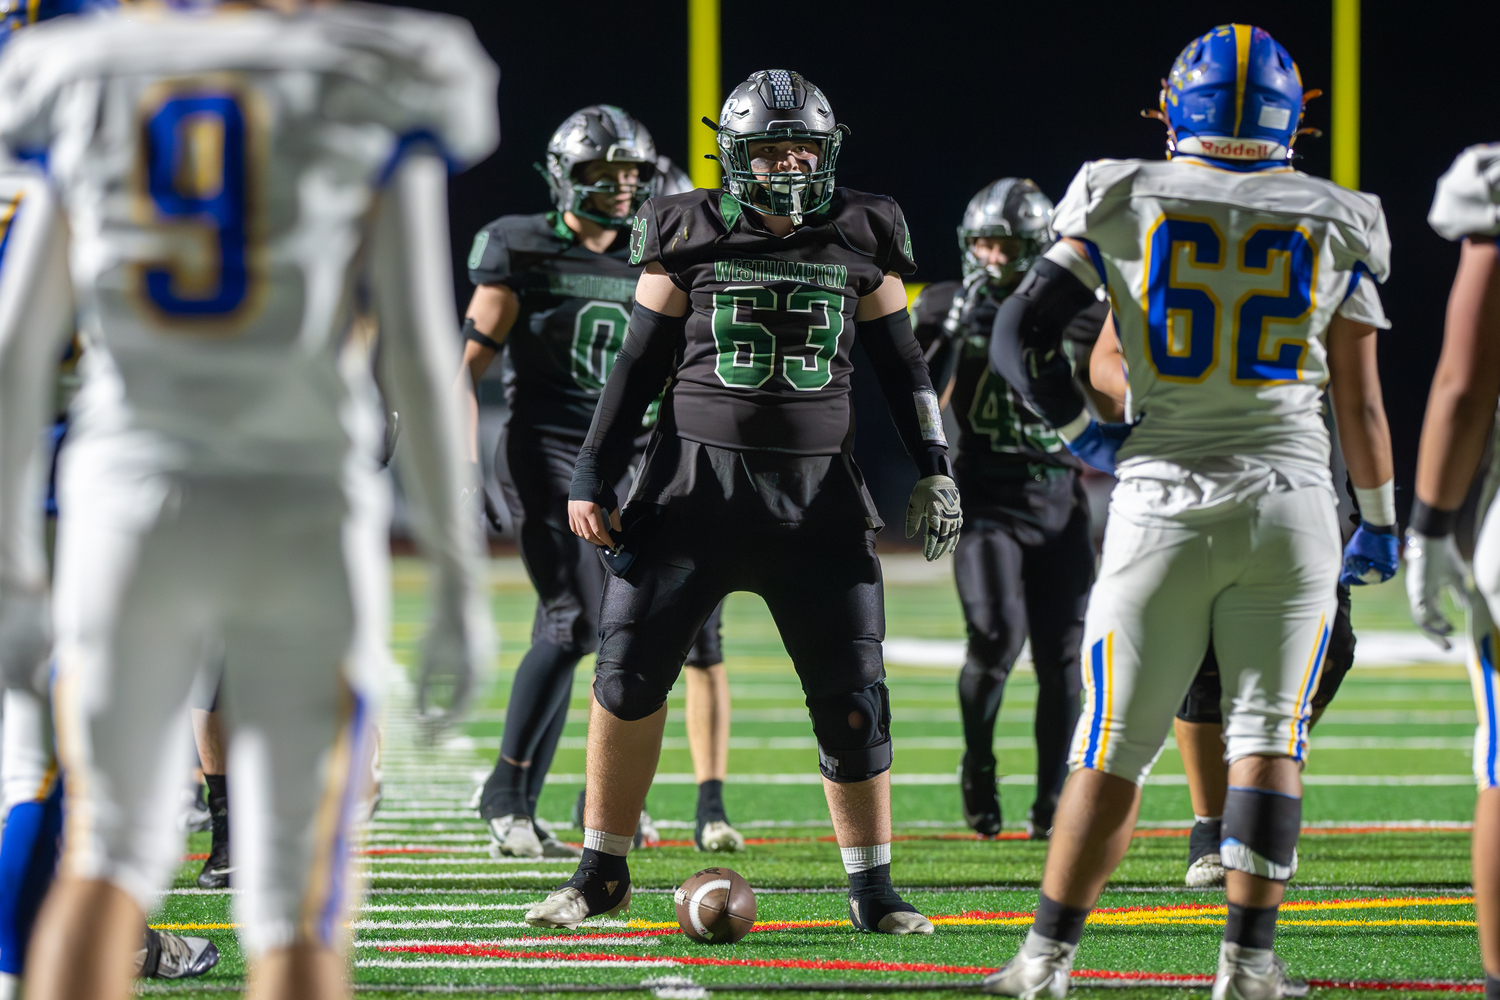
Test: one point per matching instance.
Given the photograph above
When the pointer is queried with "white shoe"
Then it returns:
(718, 837)
(551, 846)
(1253, 974)
(1040, 968)
(1205, 873)
(904, 922)
(514, 837)
(646, 834)
(567, 908)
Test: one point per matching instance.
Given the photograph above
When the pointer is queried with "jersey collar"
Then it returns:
(1258, 166)
(560, 228)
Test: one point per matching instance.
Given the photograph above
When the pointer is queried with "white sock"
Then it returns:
(618, 844)
(1206, 819)
(862, 859)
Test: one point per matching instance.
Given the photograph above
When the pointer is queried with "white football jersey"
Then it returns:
(1223, 284)
(220, 173)
(1468, 195)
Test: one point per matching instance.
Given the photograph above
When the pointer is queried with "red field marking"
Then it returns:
(840, 965)
(195, 857)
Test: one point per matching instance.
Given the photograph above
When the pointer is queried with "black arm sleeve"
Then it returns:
(1026, 343)
(641, 369)
(471, 332)
(902, 372)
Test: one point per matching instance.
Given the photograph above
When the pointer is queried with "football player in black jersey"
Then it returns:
(556, 289)
(1024, 561)
(746, 311)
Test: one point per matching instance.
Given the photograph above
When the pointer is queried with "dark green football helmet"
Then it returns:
(778, 105)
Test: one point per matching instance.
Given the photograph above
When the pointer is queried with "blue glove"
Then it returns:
(1097, 445)
(1370, 556)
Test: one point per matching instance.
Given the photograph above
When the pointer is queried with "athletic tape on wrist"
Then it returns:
(1074, 427)
(618, 844)
(1377, 506)
(862, 859)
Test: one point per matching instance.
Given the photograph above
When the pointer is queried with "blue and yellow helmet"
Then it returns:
(1234, 93)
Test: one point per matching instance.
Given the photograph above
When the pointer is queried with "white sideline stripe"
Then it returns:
(469, 876)
(508, 963)
(951, 778)
(1373, 649)
(385, 861)
(445, 907)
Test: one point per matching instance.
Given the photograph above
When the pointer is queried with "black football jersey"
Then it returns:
(766, 364)
(1002, 444)
(575, 308)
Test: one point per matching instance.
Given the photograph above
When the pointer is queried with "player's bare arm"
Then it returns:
(1461, 404)
(492, 312)
(1107, 375)
(1354, 389)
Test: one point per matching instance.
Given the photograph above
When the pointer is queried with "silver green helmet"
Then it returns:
(598, 132)
(670, 178)
(778, 105)
(1011, 206)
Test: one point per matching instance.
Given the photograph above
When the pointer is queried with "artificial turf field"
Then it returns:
(1381, 897)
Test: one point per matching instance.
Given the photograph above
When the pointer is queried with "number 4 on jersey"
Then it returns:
(751, 332)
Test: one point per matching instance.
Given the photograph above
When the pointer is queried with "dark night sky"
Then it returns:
(944, 97)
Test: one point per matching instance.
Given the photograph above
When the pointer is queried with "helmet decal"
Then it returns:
(778, 105)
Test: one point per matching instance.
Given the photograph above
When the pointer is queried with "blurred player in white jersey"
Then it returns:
(1460, 416)
(1238, 287)
(224, 184)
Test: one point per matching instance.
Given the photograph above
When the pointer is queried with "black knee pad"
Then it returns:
(1260, 832)
(854, 733)
(627, 695)
(1202, 702)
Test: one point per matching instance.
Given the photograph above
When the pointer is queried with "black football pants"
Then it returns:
(1009, 589)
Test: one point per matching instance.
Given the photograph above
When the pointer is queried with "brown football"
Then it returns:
(715, 906)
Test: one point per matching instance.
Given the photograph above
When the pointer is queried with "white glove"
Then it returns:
(1431, 565)
(456, 652)
(25, 636)
(934, 507)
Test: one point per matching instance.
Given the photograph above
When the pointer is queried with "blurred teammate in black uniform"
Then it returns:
(747, 310)
(556, 288)
(1024, 562)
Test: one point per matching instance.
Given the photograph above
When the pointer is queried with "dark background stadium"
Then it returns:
(944, 97)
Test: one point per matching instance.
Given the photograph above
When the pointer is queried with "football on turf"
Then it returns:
(715, 906)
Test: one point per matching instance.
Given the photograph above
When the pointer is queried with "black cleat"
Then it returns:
(173, 956)
(216, 870)
(1038, 825)
(981, 800)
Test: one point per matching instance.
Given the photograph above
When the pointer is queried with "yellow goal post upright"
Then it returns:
(1345, 123)
(704, 90)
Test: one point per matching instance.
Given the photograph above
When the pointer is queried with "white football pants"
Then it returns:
(287, 579)
(1257, 574)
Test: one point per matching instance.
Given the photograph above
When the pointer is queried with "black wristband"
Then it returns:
(933, 461)
(471, 332)
(588, 484)
(1431, 521)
